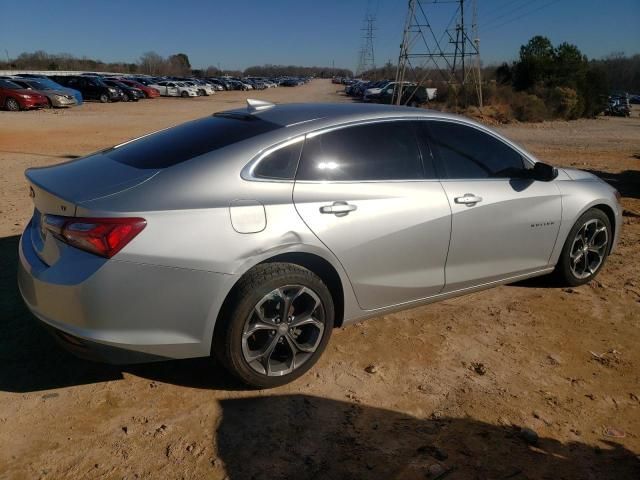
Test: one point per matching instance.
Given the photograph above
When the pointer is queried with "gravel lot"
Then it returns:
(518, 382)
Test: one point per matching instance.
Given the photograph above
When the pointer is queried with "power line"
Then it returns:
(509, 11)
(525, 14)
(499, 8)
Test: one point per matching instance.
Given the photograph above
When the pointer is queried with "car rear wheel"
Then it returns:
(49, 104)
(184, 94)
(275, 325)
(12, 105)
(104, 98)
(585, 249)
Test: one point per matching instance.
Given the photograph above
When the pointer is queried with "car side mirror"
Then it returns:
(544, 172)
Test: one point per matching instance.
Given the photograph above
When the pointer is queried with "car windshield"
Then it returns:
(9, 84)
(38, 85)
(181, 143)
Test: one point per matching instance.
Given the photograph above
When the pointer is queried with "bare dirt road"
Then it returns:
(519, 382)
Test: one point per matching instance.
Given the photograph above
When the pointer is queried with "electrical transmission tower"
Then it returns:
(366, 58)
(425, 53)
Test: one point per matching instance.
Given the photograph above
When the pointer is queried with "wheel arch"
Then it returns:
(311, 261)
(608, 211)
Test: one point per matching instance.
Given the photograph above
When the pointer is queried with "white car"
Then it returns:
(371, 93)
(174, 89)
(201, 88)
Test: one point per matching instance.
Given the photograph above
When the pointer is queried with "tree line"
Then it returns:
(152, 63)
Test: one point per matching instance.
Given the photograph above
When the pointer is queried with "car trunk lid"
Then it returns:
(58, 190)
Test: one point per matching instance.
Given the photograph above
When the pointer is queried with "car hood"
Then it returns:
(25, 91)
(575, 174)
(56, 92)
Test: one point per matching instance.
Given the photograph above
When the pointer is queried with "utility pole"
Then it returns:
(423, 54)
(478, 66)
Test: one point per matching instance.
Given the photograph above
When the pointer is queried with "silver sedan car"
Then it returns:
(56, 98)
(250, 234)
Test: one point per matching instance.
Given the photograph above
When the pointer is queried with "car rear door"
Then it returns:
(363, 191)
(503, 225)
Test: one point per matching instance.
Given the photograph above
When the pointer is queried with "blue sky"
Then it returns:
(237, 34)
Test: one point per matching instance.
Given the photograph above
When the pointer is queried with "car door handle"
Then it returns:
(468, 199)
(339, 209)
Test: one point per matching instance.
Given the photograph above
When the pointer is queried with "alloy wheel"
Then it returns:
(589, 248)
(12, 105)
(283, 330)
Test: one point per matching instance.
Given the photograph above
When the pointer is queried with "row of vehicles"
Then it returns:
(31, 91)
(382, 91)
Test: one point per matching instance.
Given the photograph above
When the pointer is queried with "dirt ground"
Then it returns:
(519, 382)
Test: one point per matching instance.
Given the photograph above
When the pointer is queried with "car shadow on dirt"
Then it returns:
(300, 436)
(31, 360)
(626, 182)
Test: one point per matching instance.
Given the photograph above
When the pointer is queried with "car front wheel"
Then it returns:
(585, 249)
(12, 105)
(275, 325)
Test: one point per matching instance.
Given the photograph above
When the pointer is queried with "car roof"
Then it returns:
(317, 115)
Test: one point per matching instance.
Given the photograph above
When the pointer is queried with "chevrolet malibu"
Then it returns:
(251, 234)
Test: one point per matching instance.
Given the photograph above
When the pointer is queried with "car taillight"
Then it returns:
(101, 236)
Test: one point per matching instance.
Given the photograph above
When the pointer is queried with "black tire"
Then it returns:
(563, 272)
(184, 94)
(104, 98)
(246, 295)
(49, 104)
(12, 105)
(126, 98)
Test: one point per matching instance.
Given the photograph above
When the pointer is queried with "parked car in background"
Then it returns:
(13, 97)
(148, 92)
(202, 88)
(129, 94)
(54, 85)
(174, 89)
(374, 90)
(91, 87)
(412, 96)
(237, 85)
(55, 98)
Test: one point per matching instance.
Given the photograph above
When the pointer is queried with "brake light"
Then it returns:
(101, 236)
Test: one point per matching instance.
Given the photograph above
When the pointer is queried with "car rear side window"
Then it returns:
(465, 152)
(377, 151)
(181, 143)
(281, 164)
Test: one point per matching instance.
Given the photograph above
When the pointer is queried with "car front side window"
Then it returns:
(465, 152)
(372, 152)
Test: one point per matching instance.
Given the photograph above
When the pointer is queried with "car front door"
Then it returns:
(365, 193)
(173, 90)
(503, 224)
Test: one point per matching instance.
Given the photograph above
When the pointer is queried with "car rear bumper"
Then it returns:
(114, 310)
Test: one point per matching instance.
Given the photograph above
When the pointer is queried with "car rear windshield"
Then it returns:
(181, 143)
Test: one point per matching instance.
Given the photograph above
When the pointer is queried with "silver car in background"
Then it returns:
(56, 98)
(250, 234)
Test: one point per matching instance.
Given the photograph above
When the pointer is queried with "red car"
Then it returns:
(13, 97)
(148, 91)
